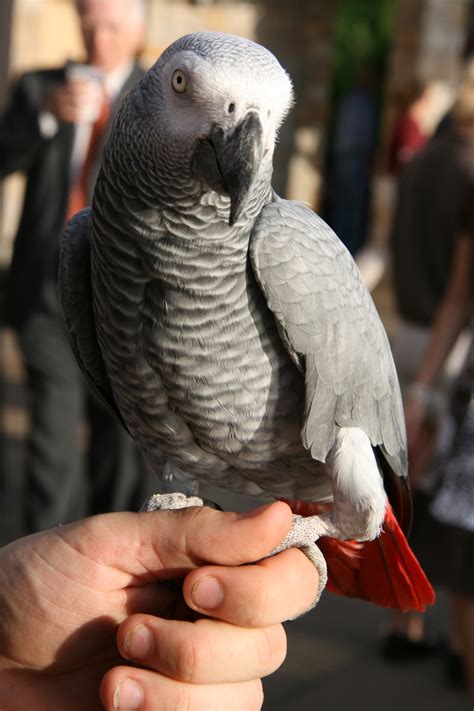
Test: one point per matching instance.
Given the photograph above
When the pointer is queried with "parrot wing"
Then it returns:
(331, 329)
(75, 293)
(329, 324)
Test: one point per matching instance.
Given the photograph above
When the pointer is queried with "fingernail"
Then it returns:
(207, 593)
(128, 696)
(139, 643)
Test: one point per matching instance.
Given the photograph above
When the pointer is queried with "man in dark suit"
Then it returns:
(51, 131)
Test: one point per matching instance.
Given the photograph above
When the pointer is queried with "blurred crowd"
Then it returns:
(53, 130)
(431, 261)
(429, 265)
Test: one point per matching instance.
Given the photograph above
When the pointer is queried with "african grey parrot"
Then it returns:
(229, 329)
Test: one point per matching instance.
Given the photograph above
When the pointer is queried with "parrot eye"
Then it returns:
(179, 81)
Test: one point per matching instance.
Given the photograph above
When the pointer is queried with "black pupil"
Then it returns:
(231, 108)
(179, 79)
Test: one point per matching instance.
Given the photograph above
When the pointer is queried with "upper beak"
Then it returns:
(228, 161)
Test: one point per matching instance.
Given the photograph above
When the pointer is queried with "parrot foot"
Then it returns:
(304, 531)
(303, 534)
(172, 501)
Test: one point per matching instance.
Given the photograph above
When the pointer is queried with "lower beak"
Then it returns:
(228, 161)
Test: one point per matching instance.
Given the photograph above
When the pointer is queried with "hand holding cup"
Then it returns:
(79, 99)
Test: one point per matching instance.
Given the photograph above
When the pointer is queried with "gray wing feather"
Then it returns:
(75, 294)
(329, 322)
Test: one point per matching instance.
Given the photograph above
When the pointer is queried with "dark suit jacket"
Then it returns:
(46, 164)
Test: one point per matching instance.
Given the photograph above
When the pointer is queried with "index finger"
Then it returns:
(274, 590)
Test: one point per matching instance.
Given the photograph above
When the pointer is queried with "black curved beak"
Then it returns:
(228, 161)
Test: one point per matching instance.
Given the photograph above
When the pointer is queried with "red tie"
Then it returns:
(79, 191)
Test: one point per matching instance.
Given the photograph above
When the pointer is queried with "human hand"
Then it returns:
(75, 101)
(64, 592)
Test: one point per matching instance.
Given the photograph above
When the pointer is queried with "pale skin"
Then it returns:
(77, 601)
(112, 32)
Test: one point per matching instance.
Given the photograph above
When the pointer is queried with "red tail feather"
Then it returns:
(383, 571)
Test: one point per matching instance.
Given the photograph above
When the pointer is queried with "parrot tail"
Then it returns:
(383, 571)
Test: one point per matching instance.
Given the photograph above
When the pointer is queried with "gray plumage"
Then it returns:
(229, 329)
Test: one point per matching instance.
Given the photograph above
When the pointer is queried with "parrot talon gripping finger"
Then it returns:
(171, 502)
(230, 330)
(303, 533)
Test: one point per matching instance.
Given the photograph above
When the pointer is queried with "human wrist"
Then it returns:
(425, 396)
(420, 390)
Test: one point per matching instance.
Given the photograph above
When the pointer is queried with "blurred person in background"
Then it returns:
(416, 123)
(408, 134)
(450, 557)
(350, 163)
(435, 191)
(421, 108)
(53, 129)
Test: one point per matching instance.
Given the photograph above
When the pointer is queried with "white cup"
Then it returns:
(95, 92)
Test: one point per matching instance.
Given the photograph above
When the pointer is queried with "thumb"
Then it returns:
(168, 544)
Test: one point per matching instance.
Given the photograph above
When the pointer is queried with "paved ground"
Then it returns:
(332, 663)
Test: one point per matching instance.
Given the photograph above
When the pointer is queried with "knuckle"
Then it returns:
(180, 700)
(186, 661)
(255, 614)
(195, 518)
(192, 656)
(236, 553)
(195, 513)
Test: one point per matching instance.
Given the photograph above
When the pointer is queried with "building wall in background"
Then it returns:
(428, 40)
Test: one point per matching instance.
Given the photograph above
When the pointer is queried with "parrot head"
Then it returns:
(208, 111)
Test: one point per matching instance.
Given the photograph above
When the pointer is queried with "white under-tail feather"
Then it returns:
(359, 496)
